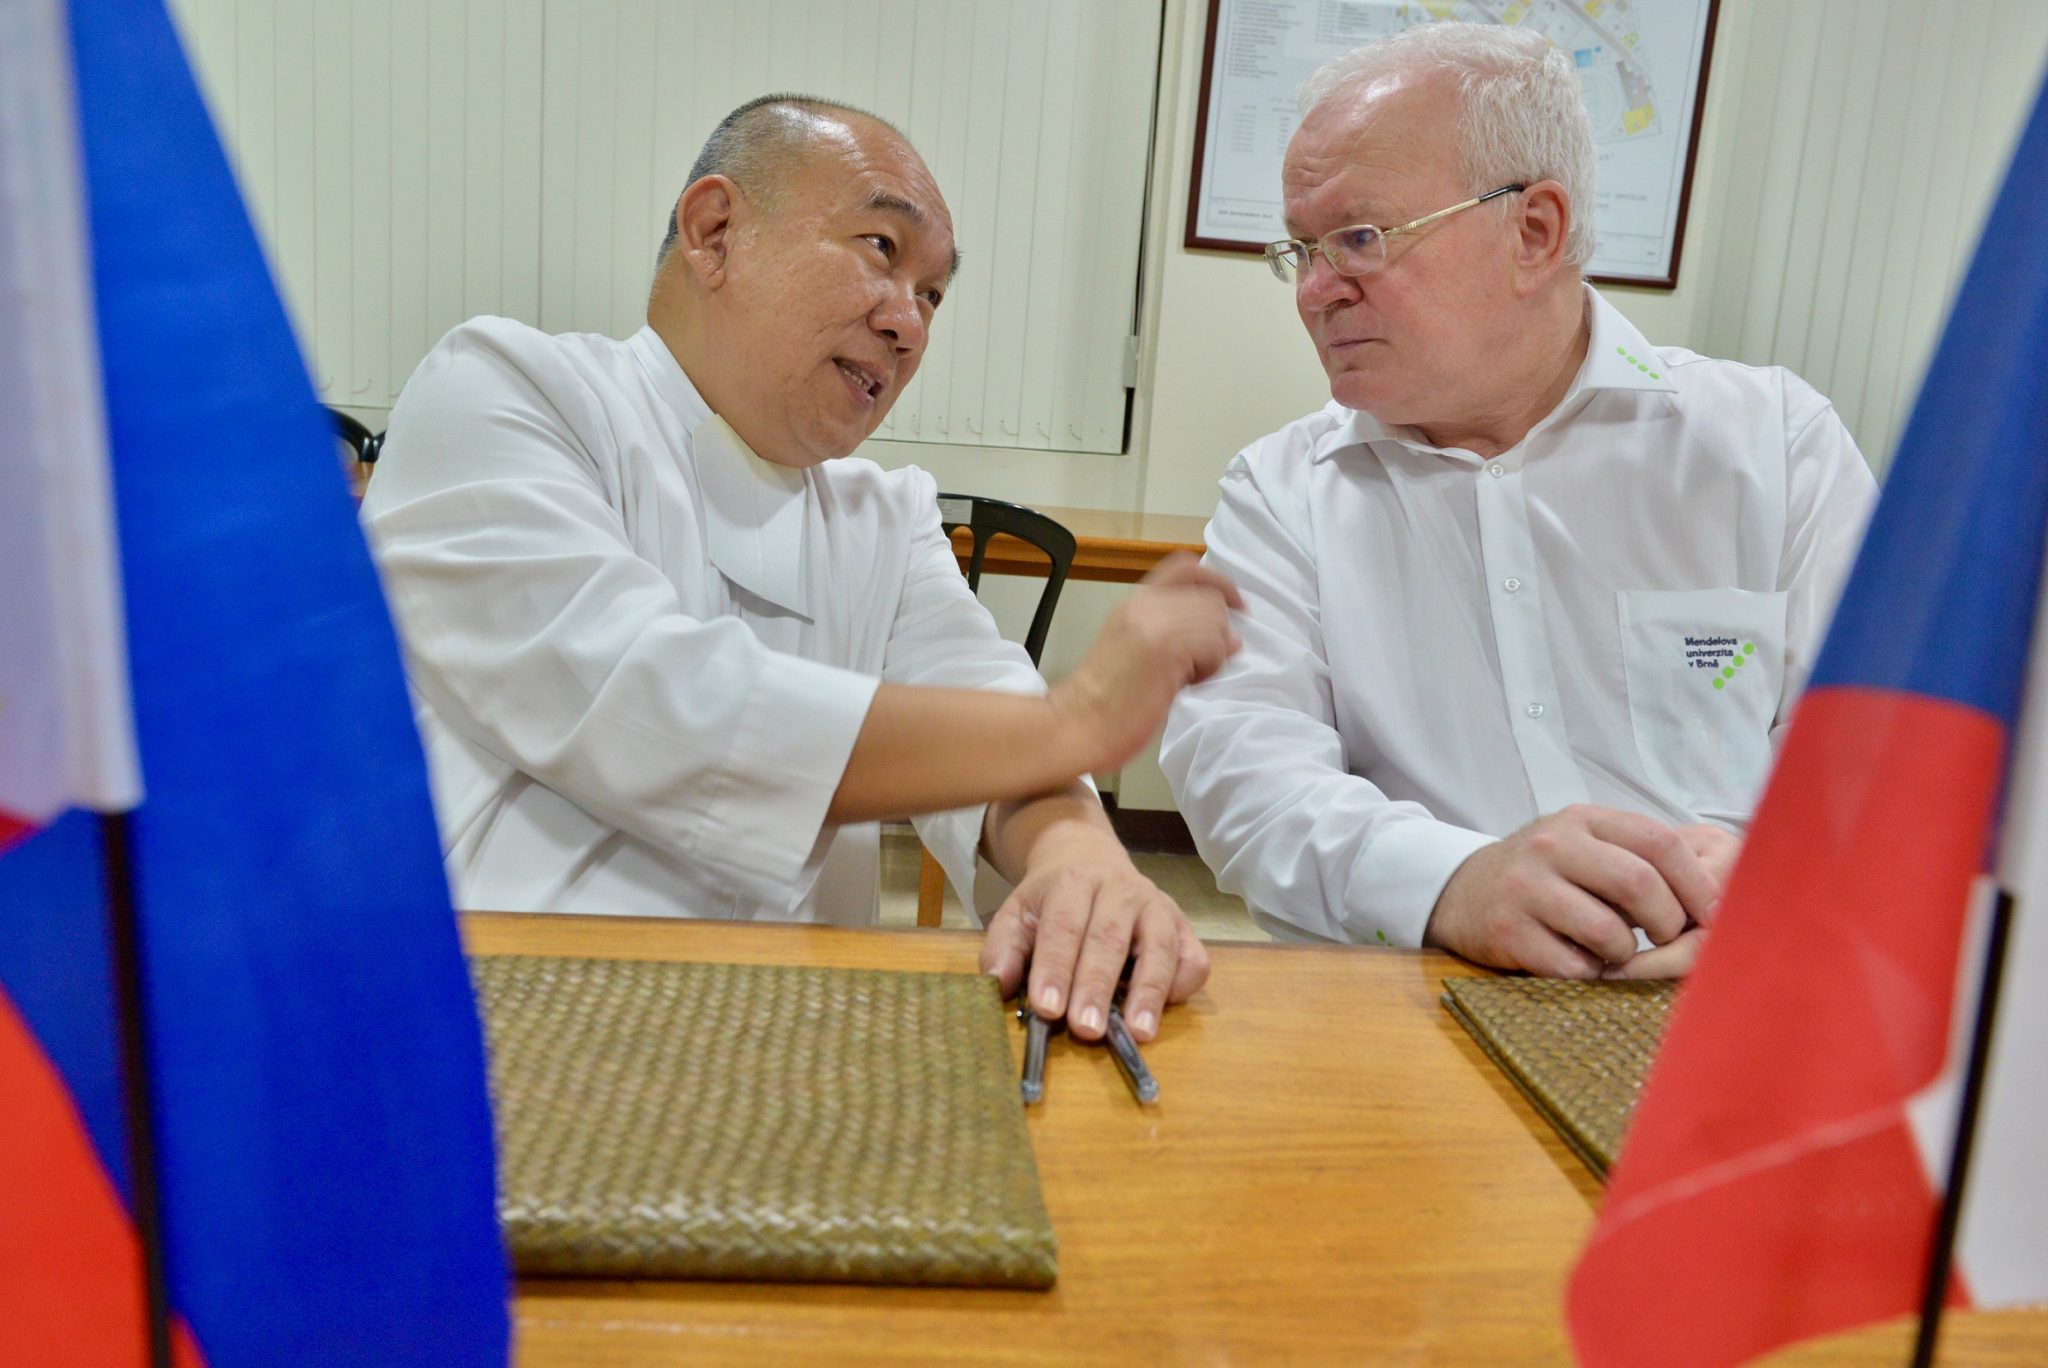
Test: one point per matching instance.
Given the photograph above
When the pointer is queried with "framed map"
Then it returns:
(1642, 65)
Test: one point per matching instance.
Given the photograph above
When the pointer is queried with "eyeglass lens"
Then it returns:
(1352, 251)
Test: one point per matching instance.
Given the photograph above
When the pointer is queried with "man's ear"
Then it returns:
(1542, 232)
(707, 213)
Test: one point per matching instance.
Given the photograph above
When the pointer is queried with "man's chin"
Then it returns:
(1357, 391)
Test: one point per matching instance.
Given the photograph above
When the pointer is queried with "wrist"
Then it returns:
(1079, 736)
(1443, 930)
(1075, 839)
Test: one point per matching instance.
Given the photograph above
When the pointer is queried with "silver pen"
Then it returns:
(1037, 1030)
(1144, 1086)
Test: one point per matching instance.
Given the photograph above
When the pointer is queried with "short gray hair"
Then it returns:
(1523, 115)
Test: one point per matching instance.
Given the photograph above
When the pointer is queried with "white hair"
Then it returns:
(1523, 115)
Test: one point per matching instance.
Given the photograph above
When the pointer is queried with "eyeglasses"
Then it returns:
(1361, 248)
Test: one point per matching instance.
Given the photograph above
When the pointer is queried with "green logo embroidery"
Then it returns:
(1719, 657)
(1635, 361)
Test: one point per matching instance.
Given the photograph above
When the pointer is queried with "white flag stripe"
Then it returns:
(1931, 1113)
(65, 733)
(2002, 1245)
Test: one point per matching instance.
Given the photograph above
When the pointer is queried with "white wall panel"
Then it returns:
(1869, 140)
(414, 164)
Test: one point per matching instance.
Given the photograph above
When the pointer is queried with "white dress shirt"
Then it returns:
(640, 653)
(1439, 648)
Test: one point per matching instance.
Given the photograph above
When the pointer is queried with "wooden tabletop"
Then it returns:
(1334, 1173)
(1116, 547)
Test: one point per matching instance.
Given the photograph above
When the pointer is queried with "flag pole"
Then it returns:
(1941, 1257)
(125, 933)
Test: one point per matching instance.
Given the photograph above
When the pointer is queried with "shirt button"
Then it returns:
(1511, 584)
(1496, 469)
(1534, 710)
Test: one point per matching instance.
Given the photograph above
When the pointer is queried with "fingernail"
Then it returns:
(1144, 1023)
(1049, 1001)
(1091, 1018)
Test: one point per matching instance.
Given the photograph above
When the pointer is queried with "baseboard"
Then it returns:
(1154, 832)
(1150, 830)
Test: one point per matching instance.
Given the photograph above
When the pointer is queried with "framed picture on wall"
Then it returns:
(1642, 65)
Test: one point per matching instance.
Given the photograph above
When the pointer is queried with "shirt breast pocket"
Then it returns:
(1705, 670)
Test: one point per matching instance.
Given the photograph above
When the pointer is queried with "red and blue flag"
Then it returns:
(191, 632)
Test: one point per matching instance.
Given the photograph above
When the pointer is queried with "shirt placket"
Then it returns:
(1515, 594)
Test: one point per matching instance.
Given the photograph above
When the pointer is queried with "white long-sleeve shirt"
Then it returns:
(640, 653)
(1440, 648)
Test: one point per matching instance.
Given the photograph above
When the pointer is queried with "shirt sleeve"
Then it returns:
(1258, 767)
(942, 637)
(533, 629)
(1829, 494)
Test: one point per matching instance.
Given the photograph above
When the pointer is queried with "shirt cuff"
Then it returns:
(1396, 882)
(788, 754)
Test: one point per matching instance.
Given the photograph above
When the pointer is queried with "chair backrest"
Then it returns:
(984, 518)
(362, 442)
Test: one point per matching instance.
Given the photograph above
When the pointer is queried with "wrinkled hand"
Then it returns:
(1172, 632)
(1080, 912)
(1717, 850)
(1562, 898)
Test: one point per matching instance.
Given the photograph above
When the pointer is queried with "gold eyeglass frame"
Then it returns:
(1278, 253)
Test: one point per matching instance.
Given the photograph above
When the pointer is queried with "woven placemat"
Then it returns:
(668, 1120)
(1578, 1051)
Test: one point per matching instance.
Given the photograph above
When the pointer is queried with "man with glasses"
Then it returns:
(1528, 602)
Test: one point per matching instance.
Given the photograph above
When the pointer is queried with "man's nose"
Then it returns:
(899, 318)
(1324, 285)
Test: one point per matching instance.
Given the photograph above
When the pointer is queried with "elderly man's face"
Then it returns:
(1409, 343)
(833, 292)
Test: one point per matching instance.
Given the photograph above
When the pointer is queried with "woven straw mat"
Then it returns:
(1579, 1051)
(668, 1120)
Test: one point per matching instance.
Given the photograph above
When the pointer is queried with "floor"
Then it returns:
(1215, 915)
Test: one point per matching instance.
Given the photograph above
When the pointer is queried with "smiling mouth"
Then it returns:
(864, 382)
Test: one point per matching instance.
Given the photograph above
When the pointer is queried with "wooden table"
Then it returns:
(1334, 1174)
(1110, 546)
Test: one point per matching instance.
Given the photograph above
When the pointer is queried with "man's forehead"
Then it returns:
(857, 165)
(889, 177)
(1379, 143)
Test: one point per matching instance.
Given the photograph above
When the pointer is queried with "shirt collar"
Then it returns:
(754, 510)
(1618, 357)
(754, 516)
(665, 373)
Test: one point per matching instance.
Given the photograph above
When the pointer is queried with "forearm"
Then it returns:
(926, 750)
(1018, 832)
(1302, 839)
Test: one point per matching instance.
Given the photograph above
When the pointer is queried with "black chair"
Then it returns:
(364, 444)
(984, 518)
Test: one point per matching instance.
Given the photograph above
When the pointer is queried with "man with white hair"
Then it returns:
(1528, 601)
